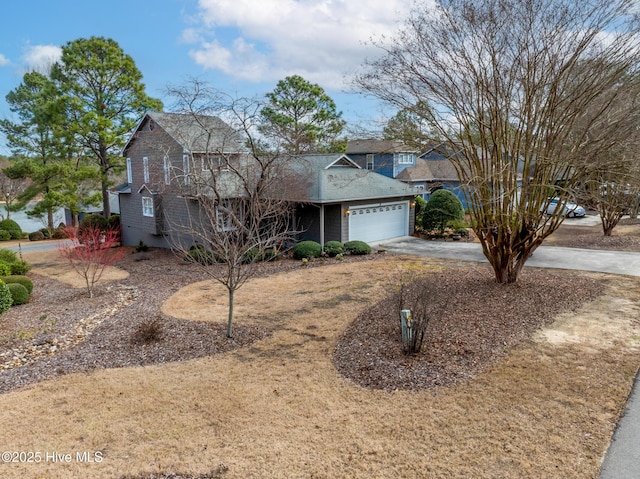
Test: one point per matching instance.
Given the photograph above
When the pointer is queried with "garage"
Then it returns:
(379, 221)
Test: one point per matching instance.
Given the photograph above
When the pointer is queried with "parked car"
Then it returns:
(571, 210)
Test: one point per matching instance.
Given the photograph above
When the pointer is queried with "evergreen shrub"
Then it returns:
(19, 294)
(356, 247)
(307, 249)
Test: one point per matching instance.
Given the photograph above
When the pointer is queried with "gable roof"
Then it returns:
(335, 177)
(429, 170)
(195, 133)
(377, 146)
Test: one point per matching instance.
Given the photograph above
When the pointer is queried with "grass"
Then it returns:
(279, 409)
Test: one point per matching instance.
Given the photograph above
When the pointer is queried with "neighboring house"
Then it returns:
(389, 158)
(346, 202)
(169, 151)
(434, 171)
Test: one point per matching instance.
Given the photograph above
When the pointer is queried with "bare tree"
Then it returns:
(508, 83)
(11, 189)
(239, 197)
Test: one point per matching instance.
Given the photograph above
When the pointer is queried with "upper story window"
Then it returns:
(167, 170)
(129, 174)
(186, 170)
(405, 158)
(370, 164)
(145, 168)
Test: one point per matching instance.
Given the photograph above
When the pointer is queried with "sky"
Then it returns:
(243, 47)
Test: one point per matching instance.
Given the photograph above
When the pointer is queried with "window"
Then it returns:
(226, 214)
(405, 158)
(147, 206)
(129, 175)
(185, 168)
(167, 170)
(145, 168)
(370, 162)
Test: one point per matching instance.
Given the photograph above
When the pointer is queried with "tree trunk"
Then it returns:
(104, 166)
(230, 318)
(106, 207)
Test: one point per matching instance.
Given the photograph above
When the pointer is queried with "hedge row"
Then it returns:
(313, 249)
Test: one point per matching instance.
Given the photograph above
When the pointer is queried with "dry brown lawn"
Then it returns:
(280, 409)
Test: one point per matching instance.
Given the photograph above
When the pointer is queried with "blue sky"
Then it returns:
(241, 46)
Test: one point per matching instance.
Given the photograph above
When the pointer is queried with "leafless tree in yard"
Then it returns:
(612, 173)
(239, 195)
(511, 85)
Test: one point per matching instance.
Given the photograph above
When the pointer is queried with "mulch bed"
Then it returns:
(473, 321)
(39, 339)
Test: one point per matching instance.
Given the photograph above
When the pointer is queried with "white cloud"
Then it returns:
(41, 57)
(4, 61)
(322, 40)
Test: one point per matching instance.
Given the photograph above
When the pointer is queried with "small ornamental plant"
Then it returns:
(6, 300)
(90, 251)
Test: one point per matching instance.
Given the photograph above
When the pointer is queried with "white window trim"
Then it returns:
(370, 165)
(145, 168)
(147, 206)
(405, 158)
(129, 173)
(186, 169)
(167, 170)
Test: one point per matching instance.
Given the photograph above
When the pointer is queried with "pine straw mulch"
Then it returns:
(48, 337)
(473, 321)
(625, 236)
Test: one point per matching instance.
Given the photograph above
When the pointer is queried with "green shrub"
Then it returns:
(19, 294)
(36, 236)
(6, 300)
(12, 227)
(5, 269)
(113, 222)
(92, 221)
(142, 247)
(307, 249)
(45, 233)
(356, 247)
(8, 256)
(19, 267)
(5, 235)
(271, 254)
(333, 248)
(19, 279)
(442, 208)
(199, 254)
(60, 233)
(420, 204)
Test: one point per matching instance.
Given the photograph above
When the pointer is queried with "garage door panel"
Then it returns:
(376, 223)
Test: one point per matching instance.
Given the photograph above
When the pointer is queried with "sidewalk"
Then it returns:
(622, 459)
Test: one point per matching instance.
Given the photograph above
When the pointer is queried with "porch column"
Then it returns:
(322, 225)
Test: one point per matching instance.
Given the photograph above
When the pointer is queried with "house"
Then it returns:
(164, 156)
(347, 202)
(168, 152)
(387, 157)
(434, 171)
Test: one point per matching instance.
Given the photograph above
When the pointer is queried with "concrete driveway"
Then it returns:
(616, 262)
(622, 460)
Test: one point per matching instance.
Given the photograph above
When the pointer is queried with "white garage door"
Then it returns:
(379, 222)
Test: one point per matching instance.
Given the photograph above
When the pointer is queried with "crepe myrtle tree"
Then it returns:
(239, 196)
(507, 84)
(612, 176)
